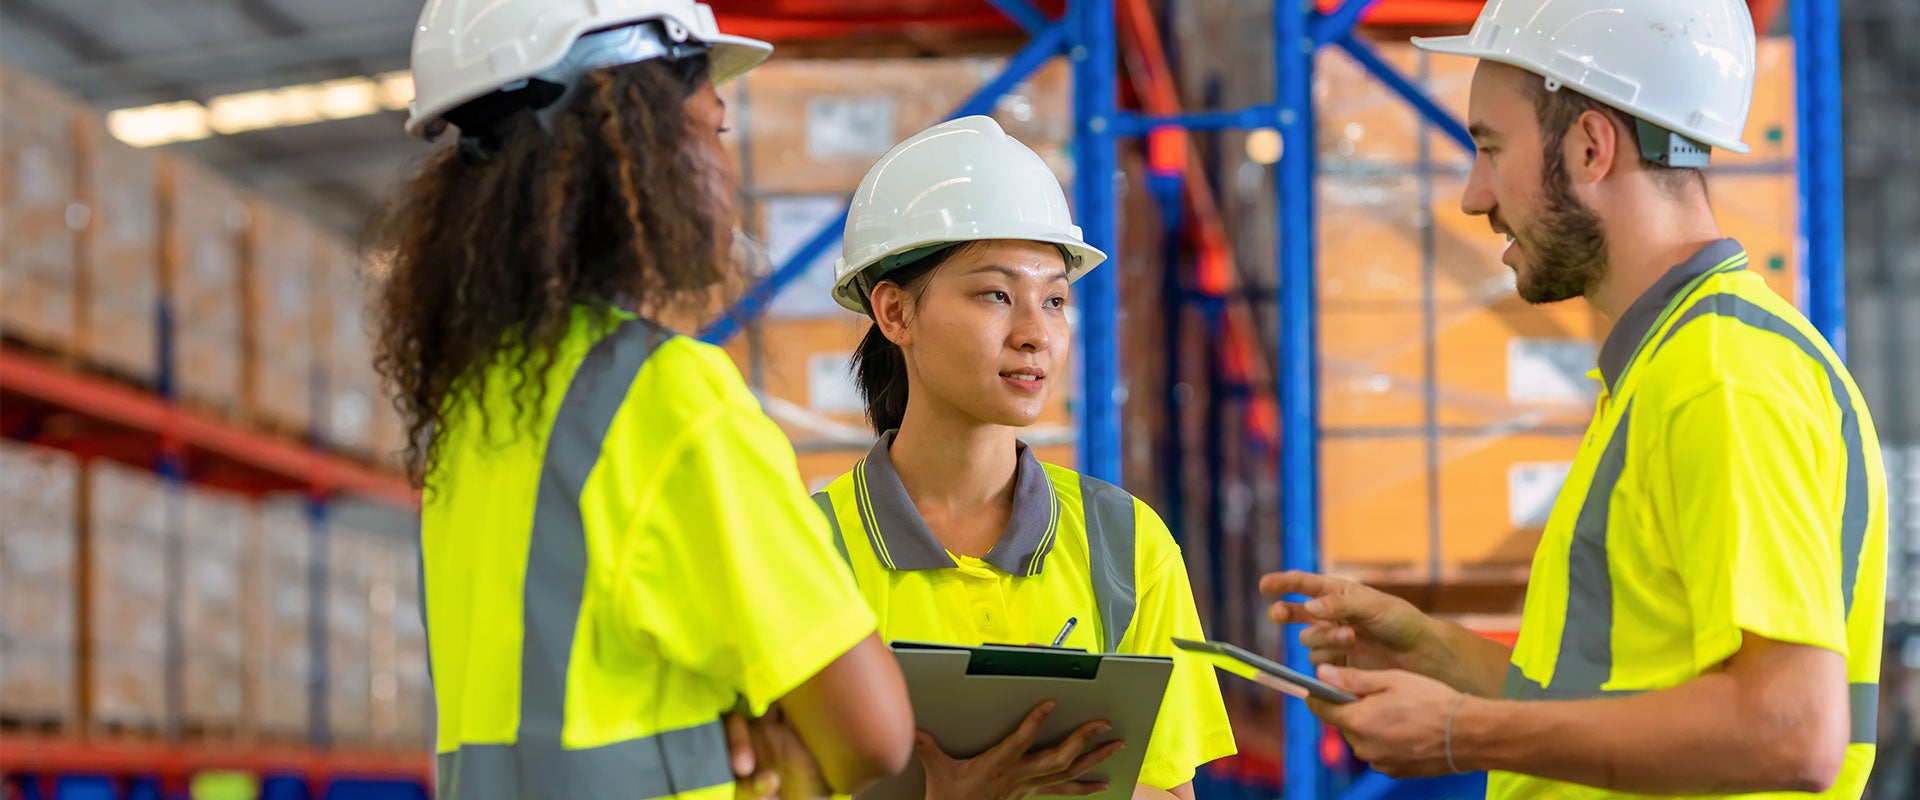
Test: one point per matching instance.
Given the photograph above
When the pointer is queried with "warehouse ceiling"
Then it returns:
(120, 54)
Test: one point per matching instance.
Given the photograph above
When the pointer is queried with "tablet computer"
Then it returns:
(1270, 674)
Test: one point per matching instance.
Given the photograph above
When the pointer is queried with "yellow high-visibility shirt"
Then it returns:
(1073, 547)
(1730, 483)
(601, 589)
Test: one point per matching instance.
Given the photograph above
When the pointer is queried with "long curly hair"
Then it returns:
(612, 202)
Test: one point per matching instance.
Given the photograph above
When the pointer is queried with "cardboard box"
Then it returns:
(135, 519)
(400, 692)
(38, 211)
(1762, 212)
(279, 318)
(38, 584)
(278, 647)
(350, 389)
(815, 126)
(121, 248)
(351, 573)
(214, 533)
(201, 264)
(1363, 124)
(1493, 494)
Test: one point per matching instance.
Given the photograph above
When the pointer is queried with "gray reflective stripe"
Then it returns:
(1586, 643)
(655, 766)
(1109, 515)
(825, 501)
(1853, 515)
(538, 765)
(1863, 701)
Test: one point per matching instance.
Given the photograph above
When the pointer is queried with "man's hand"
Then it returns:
(1349, 624)
(1013, 770)
(1399, 724)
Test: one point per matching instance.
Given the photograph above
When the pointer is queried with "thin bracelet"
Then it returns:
(1450, 715)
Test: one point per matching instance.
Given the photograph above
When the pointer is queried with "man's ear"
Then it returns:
(1593, 144)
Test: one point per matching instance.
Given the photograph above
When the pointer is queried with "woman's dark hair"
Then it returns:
(878, 364)
(611, 203)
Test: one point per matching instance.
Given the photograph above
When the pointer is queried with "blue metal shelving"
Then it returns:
(1087, 35)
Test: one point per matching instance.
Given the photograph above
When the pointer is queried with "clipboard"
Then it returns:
(1268, 673)
(972, 698)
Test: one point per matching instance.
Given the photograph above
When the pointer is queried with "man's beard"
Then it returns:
(1566, 248)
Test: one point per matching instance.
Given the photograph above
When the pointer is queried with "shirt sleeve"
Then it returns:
(743, 557)
(1192, 727)
(1753, 521)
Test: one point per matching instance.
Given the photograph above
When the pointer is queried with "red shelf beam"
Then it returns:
(148, 416)
(32, 755)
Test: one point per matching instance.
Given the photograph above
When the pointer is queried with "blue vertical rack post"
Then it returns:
(1299, 367)
(1822, 166)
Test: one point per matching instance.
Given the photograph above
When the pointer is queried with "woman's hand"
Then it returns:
(1013, 770)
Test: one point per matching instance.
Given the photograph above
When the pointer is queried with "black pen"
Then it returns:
(1064, 630)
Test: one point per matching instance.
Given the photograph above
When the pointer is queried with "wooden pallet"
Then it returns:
(49, 725)
(70, 359)
(146, 730)
(215, 732)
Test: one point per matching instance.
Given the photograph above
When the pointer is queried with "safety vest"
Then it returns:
(1073, 548)
(1730, 482)
(596, 597)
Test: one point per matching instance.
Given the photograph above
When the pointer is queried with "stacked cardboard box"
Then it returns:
(201, 266)
(401, 694)
(352, 569)
(38, 212)
(38, 556)
(120, 251)
(350, 388)
(1450, 406)
(133, 520)
(280, 324)
(808, 131)
(216, 527)
(277, 624)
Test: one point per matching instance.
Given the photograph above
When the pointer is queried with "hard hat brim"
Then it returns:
(729, 57)
(1464, 46)
(734, 56)
(847, 294)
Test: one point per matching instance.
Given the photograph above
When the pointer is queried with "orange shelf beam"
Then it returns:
(29, 755)
(30, 376)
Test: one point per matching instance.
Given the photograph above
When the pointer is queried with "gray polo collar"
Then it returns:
(902, 541)
(1618, 351)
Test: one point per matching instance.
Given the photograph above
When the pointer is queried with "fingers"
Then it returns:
(1023, 737)
(1091, 759)
(1286, 612)
(1297, 582)
(927, 749)
(739, 746)
(1326, 634)
(1061, 757)
(1358, 681)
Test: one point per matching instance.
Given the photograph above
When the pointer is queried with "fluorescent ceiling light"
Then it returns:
(287, 106)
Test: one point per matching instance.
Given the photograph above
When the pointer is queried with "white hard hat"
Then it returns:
(959, 181)
(467, 49)
(1684, 65)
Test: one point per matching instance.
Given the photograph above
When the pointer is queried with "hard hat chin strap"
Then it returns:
(549, 92)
